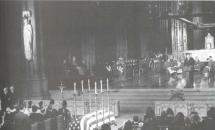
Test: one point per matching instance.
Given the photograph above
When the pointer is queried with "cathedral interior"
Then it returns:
(136, 51)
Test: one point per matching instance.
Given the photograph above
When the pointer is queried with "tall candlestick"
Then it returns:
(101, 85)
(107, 84)
(82, 85)
(74, 86)
(95, 88)
(88, 85)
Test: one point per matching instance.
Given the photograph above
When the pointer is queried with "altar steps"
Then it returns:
(137, 100)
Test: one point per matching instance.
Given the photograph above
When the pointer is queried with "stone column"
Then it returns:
(121, 39)
(36, 83)
(143, 35)
(88, 49)
(198, 42)
(121, 44)
(42, 74)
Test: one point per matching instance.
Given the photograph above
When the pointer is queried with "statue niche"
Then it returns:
(209, 41)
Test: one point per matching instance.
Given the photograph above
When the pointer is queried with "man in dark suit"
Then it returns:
(50, 111)
(189, 70)
(12, 96)
(211, 66)
(21, 120)
(34, 116)
(66, 114)
(4, 99)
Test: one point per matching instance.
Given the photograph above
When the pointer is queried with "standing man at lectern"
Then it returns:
(189, 70)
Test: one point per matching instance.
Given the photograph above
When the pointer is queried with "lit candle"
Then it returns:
(101, 85)
(107, 84)
(88, 85)
(95, 88)
(74, 86)
(82, 85)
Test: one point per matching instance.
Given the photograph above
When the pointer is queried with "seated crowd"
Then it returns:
(169, 121)
(19, 115)
(22, 115)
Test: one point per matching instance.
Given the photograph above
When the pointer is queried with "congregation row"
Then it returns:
(22, 115)
(168, 120)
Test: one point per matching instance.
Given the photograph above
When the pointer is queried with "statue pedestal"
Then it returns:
(37, 88)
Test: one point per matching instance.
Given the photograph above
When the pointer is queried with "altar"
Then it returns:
(202, 55)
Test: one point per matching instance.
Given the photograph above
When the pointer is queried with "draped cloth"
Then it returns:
(96, 119)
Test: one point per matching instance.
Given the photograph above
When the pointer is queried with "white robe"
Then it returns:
(27, 37)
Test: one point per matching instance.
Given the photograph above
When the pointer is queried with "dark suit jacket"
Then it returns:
(66, 114)
(12, 99)
(22, 121)
(208, 124)
(189, 63)
(4, 101)
(36, 117)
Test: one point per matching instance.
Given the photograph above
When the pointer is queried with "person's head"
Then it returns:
(11, 89)
(64, 104)
(34, 108)
(179, 117)
(5, 90)
(29, 104)
(40, 104)
(150, 112)
(169, 112)
(105, 127)
(127, 125)
(188, 55)
(51, 102)
(135, 118)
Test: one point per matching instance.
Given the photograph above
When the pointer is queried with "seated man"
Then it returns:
(50, 111)
(41, 109)
(105, 127)
(21, 120)
(65, 113)
(34, 116)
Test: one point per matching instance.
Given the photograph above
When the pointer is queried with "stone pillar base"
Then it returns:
(37, 88)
